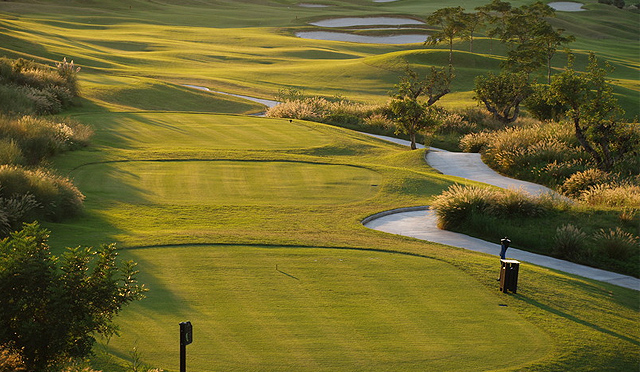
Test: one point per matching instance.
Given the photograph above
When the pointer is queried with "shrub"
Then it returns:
(616, 244)
(475, 142)
(581, 181)
(569, 242)
(10, 152)
(612, 195)
(516, 203)
(58, 197)
(379, 121)
(28, 87)
(15, 210)
(455, 205)
(458, 204)
(39, 138)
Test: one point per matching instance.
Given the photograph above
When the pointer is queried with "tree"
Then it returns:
(411, 115)
(52, 306)
(502, 94)
(472, 22)
(452, 24)
(495, 14)
(524, 30)
(589, 103)
(548, 40)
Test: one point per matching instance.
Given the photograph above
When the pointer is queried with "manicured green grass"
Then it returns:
(229, 182)
(208, 242)
(293, 309)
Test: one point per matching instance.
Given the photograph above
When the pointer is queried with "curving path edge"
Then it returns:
(421, 222)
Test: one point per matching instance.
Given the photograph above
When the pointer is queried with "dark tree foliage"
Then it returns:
(589, 103)
(412, 115)
(452, 22)
(53, 306)
(502, 94)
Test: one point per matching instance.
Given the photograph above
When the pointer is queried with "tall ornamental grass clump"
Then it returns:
(616, 243)
(459, 205)
(339, 111)
(570, 242)
(30, 139)
(526, 151)
(27, 87)
(55, 195)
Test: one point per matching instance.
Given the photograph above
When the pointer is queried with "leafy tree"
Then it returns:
(452, 24)
(52, 306)
(547, 40)
(411, 115)
(589, 103)
(495, 14)
(502, 94)
(471, 21)
(523, 28)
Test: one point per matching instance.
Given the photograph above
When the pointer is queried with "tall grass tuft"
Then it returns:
(461, 204)
(570, 242)
(57, 195)
(612, 195)
(616, 243)
(27, 87)
(456, 204)
(16, 210)
(39, 138)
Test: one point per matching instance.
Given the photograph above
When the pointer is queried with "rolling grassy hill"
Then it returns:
(250, 227)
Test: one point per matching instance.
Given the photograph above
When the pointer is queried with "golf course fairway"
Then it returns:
(250, 227)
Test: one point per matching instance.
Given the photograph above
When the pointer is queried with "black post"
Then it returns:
(183, 357)
(186, 337)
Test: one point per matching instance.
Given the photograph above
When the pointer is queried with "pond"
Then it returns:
(366, 21)
(567, 6)
(342, 36)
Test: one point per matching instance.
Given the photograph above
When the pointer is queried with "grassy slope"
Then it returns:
(254, 52)
(442, 299)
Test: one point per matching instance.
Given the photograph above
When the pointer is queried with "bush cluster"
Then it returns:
(492, 212)
(572, 243)
(339, 111)
(27, 87)
(458, 204)
(27, 192)
(29, 139)
(40, 194)
(548, 153)
(529, 151)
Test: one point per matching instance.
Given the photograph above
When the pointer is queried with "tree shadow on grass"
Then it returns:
(575, 319)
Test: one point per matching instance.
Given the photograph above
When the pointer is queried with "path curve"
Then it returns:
(421, 222)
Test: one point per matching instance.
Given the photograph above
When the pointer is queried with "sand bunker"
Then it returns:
(366, 21)
(567, 6)
(353, 38)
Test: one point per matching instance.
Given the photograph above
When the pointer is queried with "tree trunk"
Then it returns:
(412, 135)
(585, 144)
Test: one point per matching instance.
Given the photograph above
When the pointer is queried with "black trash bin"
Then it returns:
(509, 275)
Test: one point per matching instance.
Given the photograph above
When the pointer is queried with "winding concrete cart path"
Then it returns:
(420, 222)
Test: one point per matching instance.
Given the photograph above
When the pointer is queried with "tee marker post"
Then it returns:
(186, 337)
